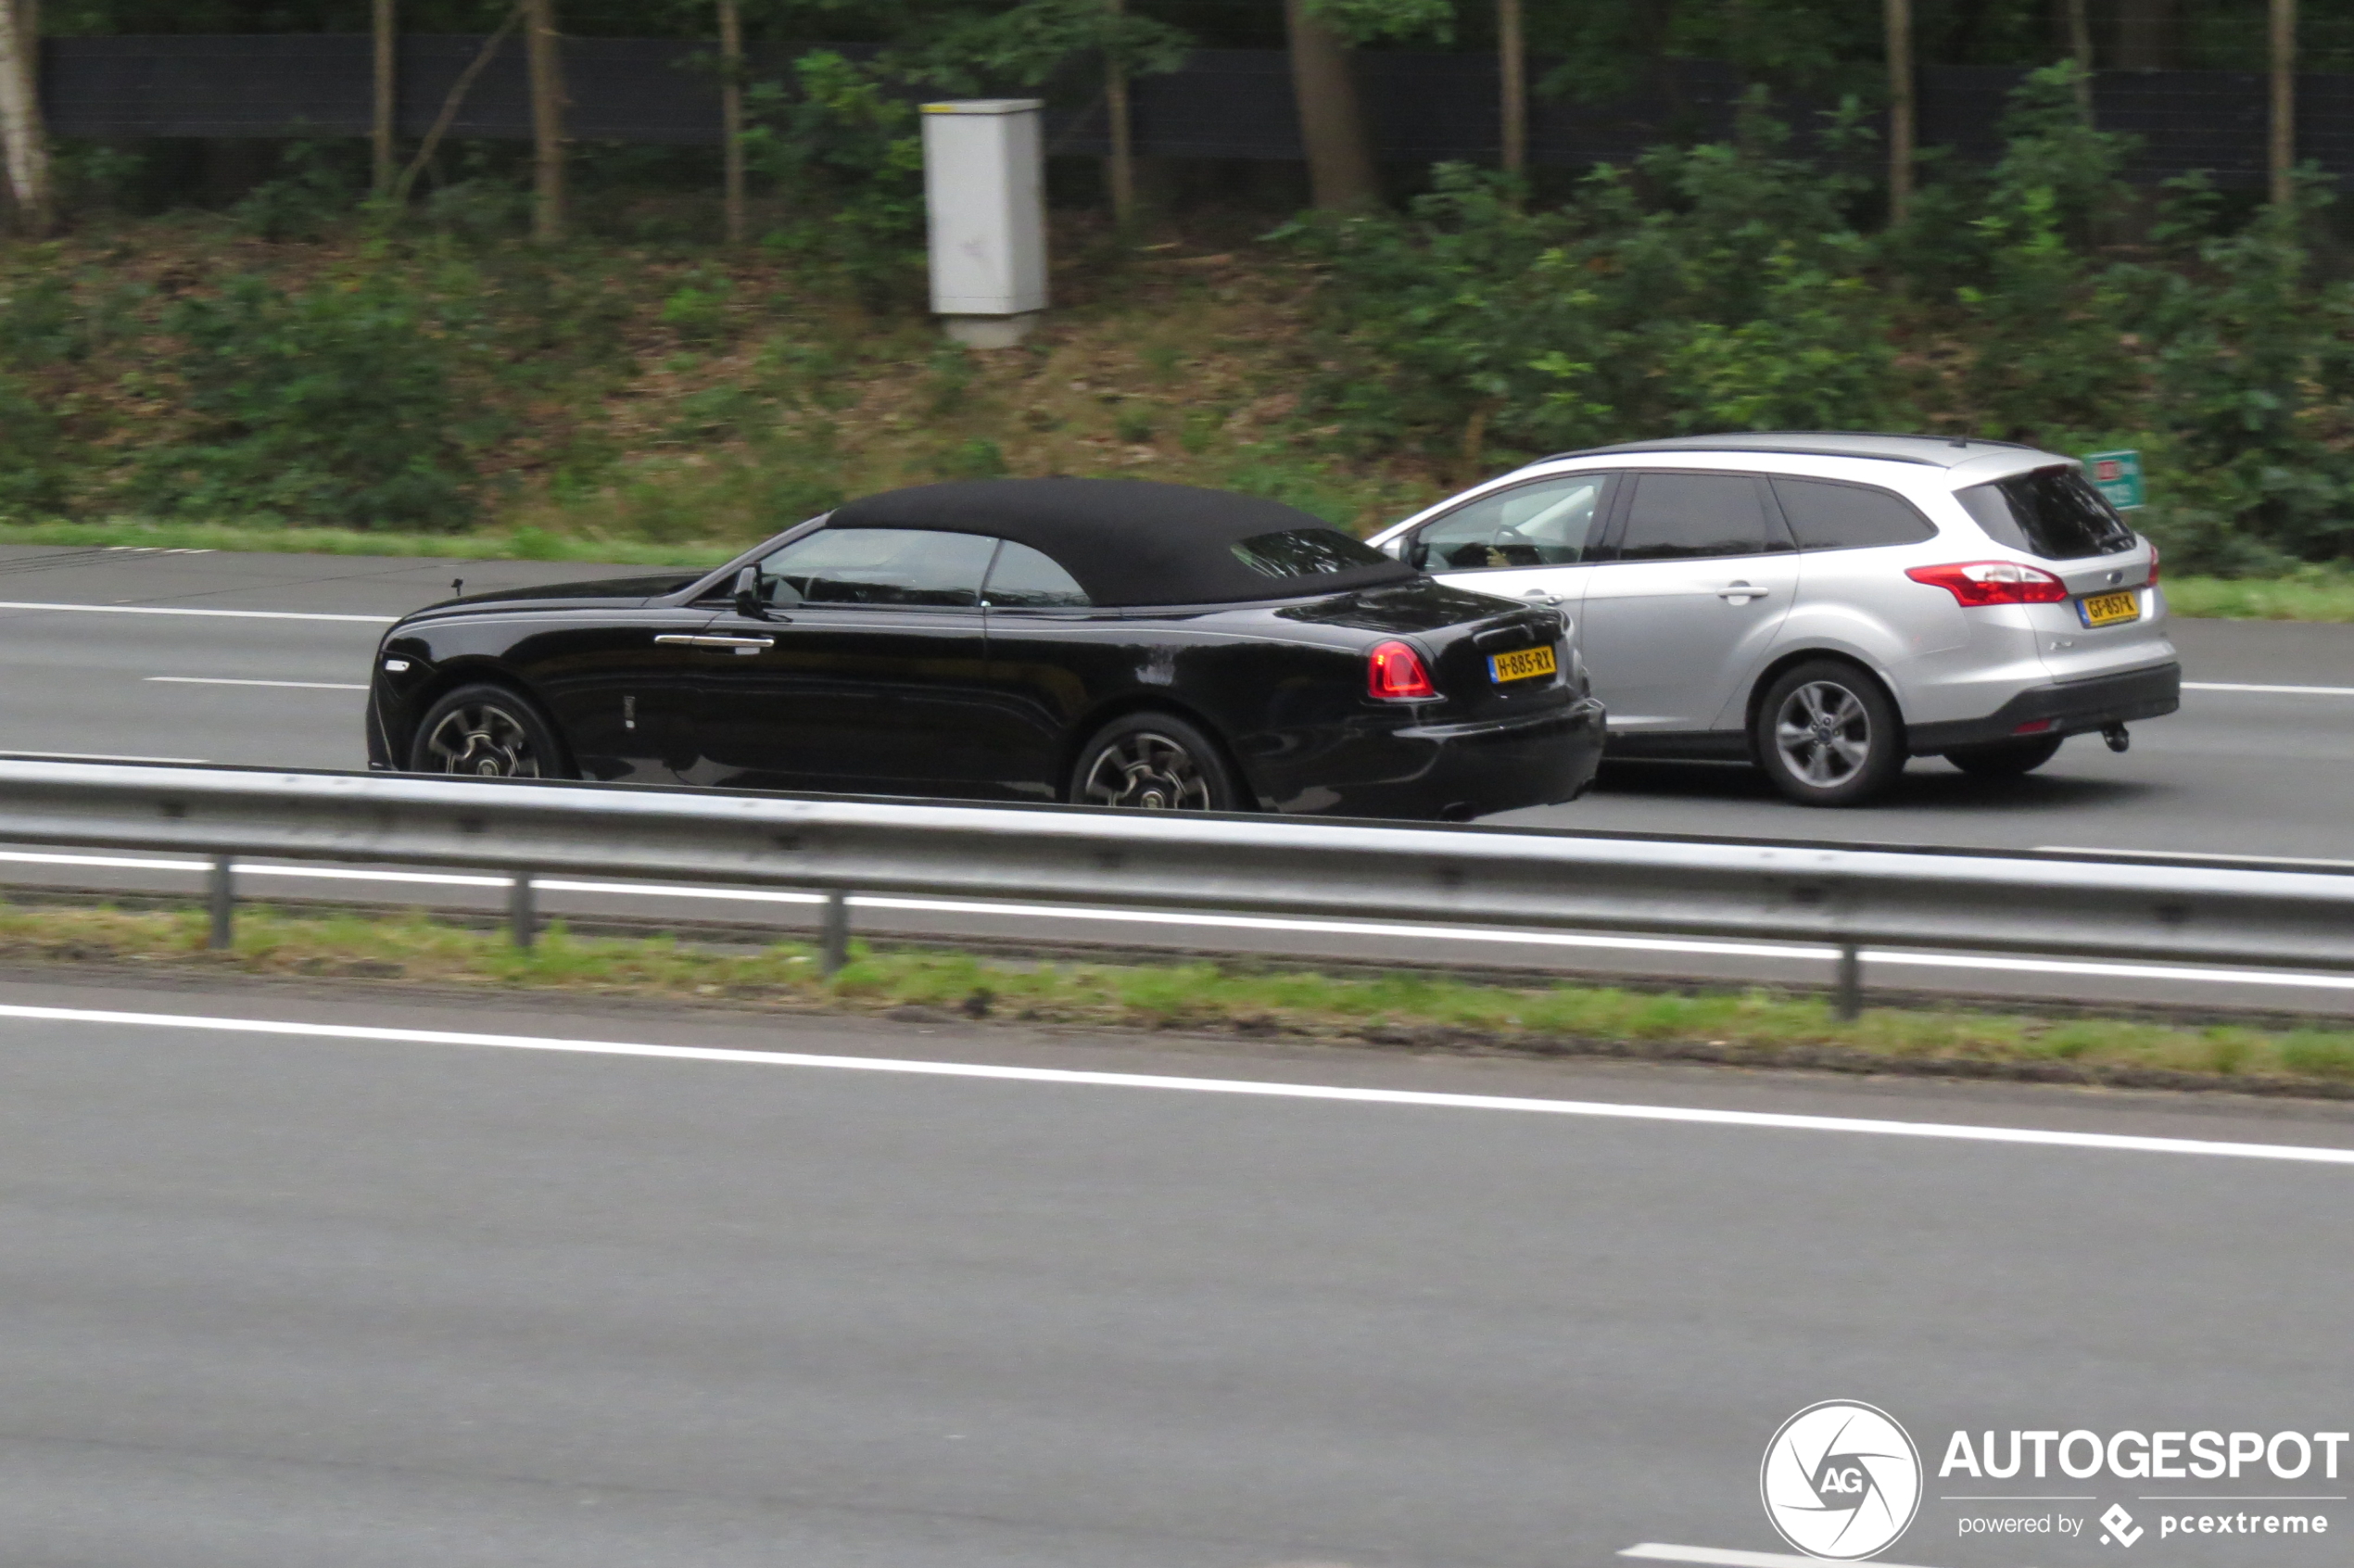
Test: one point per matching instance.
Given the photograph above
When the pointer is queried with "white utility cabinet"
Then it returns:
(985, 202)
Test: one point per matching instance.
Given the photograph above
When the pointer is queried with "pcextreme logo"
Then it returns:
(1842, 1480)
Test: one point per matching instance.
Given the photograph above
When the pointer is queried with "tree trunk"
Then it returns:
(1332, 127)
(547, 121)
(457, 95)
(388, 84)
(1121, 169)
(732, 115)
(2282, 154)
(2080, 49)
(23, 138)
(1512, 64)
(1900, 109)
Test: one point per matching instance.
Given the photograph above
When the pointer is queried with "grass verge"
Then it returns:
(2310, 593)
(1750, 1028)
(504, 544)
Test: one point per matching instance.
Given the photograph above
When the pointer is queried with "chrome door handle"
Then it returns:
(699, 640)
(1540, 596)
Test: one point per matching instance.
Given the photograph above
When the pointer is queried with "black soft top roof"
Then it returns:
(1128, 541)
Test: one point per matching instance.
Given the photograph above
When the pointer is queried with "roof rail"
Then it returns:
(1797, 444)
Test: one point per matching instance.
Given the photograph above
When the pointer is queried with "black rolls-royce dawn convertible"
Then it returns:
(1100, 642)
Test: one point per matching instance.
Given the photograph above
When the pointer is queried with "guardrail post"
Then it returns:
(833, 932)
(1847, 991)
(221, 901)
(523, 910)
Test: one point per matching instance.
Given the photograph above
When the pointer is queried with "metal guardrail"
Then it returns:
(2040, 902)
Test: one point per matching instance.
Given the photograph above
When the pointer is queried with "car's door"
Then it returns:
(620, 686)
(1052, 653)
(864, 670)
(1532, 540)
(1694, 580)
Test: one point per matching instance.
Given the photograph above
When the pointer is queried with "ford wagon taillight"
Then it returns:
(2153, 561)
(1394, 673)
(1992, 582)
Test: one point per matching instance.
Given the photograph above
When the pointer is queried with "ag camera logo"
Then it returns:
(1842, 1480)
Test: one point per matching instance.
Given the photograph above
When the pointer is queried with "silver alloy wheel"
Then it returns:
(1148, 771)
(483, 741)
(1824, 733)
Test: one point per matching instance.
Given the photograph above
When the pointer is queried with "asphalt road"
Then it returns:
(268, 674)
(294, 1299)
(2237, 772)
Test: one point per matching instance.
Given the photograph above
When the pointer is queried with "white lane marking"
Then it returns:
(2115, 1143)
(223, 680)
(2290, 978)
(2286, 691)
(179, 610)
(2196, 855)
(1724, 1557)
(94, 756)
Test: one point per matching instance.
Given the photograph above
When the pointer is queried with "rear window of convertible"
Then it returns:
(2053, 513)
(1306, 552)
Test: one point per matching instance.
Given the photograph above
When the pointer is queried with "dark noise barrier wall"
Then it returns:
(1224, 103)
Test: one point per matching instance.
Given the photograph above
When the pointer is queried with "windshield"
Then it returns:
(2053, 513)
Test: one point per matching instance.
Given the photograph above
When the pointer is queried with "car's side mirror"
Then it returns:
(1418, 555)
(748, 602)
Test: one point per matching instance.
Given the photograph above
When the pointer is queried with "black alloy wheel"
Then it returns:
(2005, 759)
(1153, 762)
(485, 731)
(1827, 735)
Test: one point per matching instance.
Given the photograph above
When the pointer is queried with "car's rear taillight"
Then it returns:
(1992, 582)
(1394, 673)
(2153, 560)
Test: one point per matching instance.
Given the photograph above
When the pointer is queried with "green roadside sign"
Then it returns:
(2117, 475)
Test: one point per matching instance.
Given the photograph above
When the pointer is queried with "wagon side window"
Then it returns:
(1549, 523)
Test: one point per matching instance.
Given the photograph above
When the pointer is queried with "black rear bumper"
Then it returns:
(2066, 708)
(1456, 772)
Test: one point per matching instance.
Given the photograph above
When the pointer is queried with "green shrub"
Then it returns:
(316, 189)
(33, 458)
(698, 312)
(847, 156)
(1712, 286)
(971, 458)
(40, 322)
(335, 403)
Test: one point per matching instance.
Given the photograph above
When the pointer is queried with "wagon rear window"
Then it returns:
(2053, 513)
(1306, 552)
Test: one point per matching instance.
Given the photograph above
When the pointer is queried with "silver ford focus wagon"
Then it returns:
(1828, 605)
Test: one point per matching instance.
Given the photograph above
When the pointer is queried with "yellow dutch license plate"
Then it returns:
(1521, 665)
(2109, 609)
